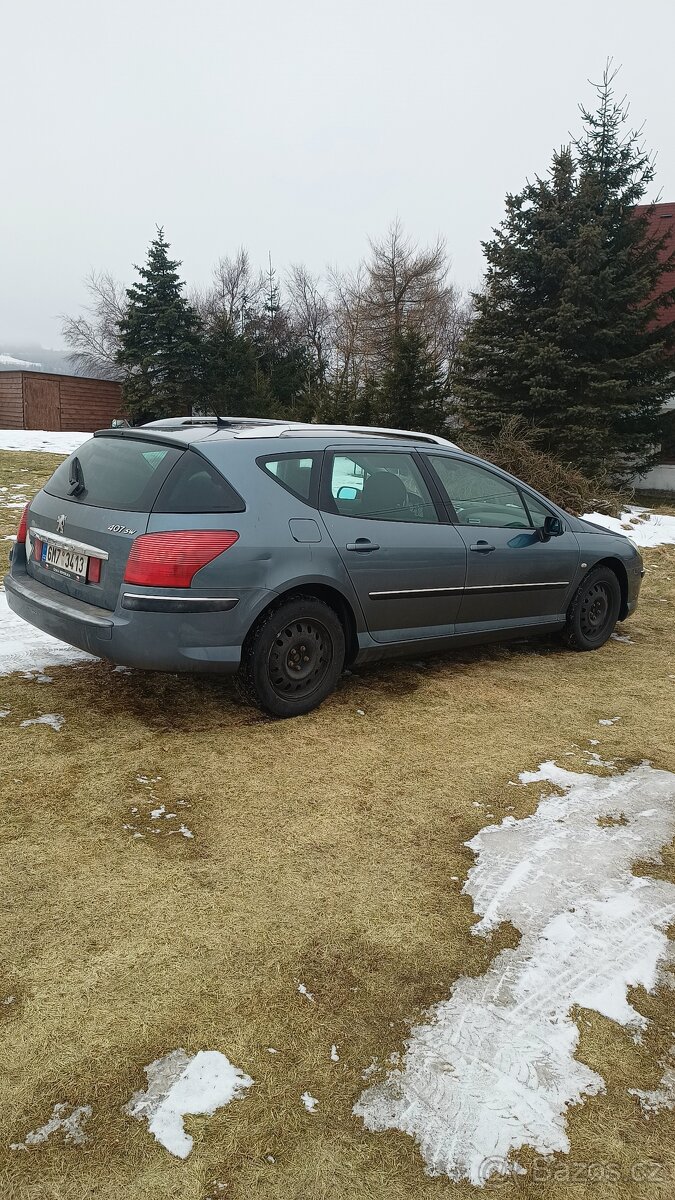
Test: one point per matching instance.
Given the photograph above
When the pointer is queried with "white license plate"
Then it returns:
(64, 560)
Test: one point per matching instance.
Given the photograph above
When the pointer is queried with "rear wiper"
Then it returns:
(76, 478)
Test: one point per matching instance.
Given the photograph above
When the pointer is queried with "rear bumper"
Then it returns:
(205, 641)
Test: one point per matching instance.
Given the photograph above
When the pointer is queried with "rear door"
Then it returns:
(513, 576)
(405, 560)
(93, 506)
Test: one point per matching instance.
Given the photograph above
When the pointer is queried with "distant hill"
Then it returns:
(26, 356)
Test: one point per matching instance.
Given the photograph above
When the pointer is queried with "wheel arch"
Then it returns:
(331, 596)
(616, 565)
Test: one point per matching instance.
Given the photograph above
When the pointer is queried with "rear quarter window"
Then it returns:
(195, 486)
(117, 473)
(297, 473)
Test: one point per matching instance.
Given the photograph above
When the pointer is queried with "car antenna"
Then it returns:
(221, 422)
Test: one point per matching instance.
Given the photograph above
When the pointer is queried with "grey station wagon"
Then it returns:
(286, 552)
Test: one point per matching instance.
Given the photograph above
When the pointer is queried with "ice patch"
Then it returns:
(493, 1068)
(54, 720)
(303, 992)
(71, 1124)
(640, 525)
(25, 648)
(180, 1085)
(310, 1102)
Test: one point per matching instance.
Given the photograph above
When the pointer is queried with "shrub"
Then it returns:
(513, 450)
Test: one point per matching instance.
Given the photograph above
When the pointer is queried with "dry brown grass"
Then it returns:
(323, 853)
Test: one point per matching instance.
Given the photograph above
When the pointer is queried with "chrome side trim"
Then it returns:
(409, 593)
(69, 543)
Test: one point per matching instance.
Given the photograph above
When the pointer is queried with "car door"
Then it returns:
(405, 559)
(515, 575)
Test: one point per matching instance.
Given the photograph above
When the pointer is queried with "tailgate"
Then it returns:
(82, 525)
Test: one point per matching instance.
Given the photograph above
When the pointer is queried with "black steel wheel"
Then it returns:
(594, 610)
(294, 657)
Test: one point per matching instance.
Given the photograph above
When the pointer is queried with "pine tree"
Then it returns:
(161, 345)
(412, 394)
(564, 335)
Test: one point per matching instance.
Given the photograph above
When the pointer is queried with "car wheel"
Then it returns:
(293, 657)
(594, 610)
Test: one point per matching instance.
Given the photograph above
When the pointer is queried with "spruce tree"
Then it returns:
(411, 394)
(564, 335)
(161, 345)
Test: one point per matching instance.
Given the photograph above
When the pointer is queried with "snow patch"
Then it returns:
(310, 1102)
(662, 1097)
(334, 1056)
(303, 992)
(25, 648)
(54, 720)
(46, 441)
(181, 1085)
(493, 1068)
(643, 527)
(71, 1124)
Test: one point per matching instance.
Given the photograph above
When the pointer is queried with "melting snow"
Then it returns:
(664, 1095)
(25, 648)
(493, 1069)
(46, 440)
(334, 1056)
(640, 525)
(71, 1126)
(303, 992)
(608, 720)
(310, 1102)
(180, 1085)
(55, 720)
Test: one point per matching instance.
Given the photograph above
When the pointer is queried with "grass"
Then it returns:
(323, 853)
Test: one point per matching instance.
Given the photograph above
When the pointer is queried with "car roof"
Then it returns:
(188, 430)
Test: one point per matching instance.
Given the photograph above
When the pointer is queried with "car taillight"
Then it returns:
(23, 525)
(173, 559)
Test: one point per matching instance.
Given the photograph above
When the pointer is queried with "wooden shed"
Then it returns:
(37, 400)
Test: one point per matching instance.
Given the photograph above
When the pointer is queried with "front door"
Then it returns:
(513, 577)
(405, 560)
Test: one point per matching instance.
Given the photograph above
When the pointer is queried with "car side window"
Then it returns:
(292, 471)
(478, 496)
(382, 486)
(537, 511)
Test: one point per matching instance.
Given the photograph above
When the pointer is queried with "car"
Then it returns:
(288, 552)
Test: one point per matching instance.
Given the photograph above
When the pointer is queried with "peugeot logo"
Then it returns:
(61, 523)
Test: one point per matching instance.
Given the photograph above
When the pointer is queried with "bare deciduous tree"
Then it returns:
(93, 337)
(235, 291)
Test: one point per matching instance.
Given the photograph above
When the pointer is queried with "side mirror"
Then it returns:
(347, 493)
(552, 527)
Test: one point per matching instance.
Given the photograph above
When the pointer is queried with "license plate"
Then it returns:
(64, 560)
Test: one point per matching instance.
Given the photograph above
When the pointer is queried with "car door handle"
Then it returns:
(362, 545)
(482, 547)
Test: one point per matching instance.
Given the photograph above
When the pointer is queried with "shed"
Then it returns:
(37, 400)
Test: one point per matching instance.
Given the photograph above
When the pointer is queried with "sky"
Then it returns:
(296, 128)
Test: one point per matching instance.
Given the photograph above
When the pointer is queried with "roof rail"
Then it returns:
(368, 430)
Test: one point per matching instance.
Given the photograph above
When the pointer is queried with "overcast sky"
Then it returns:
(298, 127)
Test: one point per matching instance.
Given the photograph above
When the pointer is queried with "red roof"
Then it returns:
(662, 220)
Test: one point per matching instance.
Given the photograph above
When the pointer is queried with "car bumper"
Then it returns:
(147, 637)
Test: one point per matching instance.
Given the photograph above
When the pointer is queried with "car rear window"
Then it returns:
(194, 486)
(111, 472)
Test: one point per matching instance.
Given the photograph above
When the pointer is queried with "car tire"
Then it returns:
(293, 657)
(594, 610)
